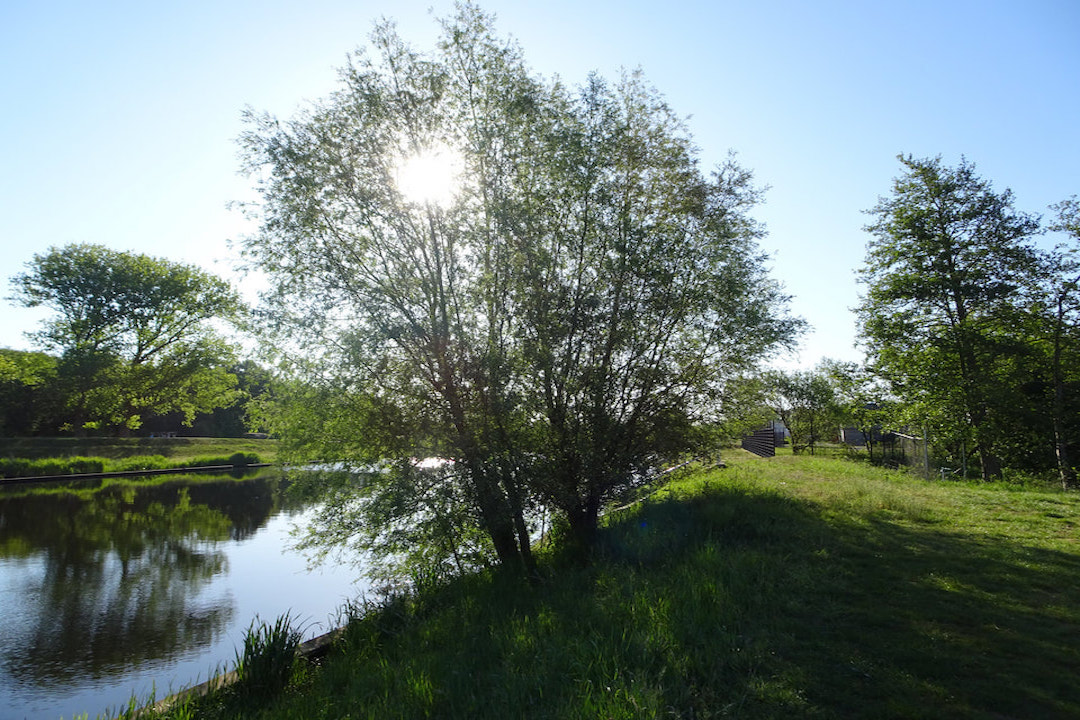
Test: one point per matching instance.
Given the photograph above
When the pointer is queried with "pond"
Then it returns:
(114, 589)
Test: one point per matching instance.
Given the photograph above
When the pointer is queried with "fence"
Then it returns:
(910, 451)
(761, 442)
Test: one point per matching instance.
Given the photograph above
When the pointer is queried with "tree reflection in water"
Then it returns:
(119, 572)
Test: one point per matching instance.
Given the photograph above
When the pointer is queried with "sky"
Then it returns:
(118, 120)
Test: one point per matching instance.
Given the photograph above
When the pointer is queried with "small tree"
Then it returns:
(805, 402)
(862, 401)
(134, 332)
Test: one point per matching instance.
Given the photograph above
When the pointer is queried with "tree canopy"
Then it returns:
(135, 333)
(969, 319)
(26, 406)
(555, 325)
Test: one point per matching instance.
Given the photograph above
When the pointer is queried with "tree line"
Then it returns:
(971, 330)
(131, 346)
(587, 305)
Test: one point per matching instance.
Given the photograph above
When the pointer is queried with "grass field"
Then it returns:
(20, 457)
(791, 587)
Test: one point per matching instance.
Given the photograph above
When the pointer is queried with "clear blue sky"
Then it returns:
(118, 119)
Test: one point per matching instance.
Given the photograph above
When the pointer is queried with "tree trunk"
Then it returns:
(979, 420)
(1065, 468)
(524, 544)
(496, 516)
(1061, 450)
(989, 463)
(584, 522)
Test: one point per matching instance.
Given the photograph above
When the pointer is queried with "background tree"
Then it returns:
(563, 321)
(254, 385)
(863, 402)
(1055, 330)
(943, 274)
(745, 408)
(805, 402)
(135, 333)
(28, 401)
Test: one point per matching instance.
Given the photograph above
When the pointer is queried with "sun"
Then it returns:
(431, 177)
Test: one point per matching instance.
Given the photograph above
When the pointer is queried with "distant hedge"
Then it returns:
(24, 467)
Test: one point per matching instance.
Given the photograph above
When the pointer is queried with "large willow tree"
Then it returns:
(555, 315)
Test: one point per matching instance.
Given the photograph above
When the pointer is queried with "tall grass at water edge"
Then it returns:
(267, 663)
(177, 448)
(793, 587)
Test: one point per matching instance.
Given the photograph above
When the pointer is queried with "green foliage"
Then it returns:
(743, 410)
(1053, 325)
(134, 332)
(863, 402)
(805, 401)
(28, 399)
(435, 537)
(561, 325)
(944, 275)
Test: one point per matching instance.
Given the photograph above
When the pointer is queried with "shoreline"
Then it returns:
(130, 473)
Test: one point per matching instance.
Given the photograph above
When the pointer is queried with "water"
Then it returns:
(110, 590)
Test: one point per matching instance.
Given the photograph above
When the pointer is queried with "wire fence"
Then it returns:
(896, 448)
(911, 451)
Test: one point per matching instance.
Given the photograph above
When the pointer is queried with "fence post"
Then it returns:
(926, 449)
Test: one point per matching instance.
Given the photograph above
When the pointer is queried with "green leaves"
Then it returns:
(558, 328)
(953, 279)
(135, 333)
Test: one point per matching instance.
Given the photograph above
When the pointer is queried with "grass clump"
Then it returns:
(793, 587)
(268, 661)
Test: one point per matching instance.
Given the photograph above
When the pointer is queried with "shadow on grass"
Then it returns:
(732, 602)
(923, 619)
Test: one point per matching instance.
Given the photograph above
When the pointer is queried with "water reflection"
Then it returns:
(98, 579)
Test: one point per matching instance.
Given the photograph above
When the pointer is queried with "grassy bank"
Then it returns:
(25, 457)
(793, 587)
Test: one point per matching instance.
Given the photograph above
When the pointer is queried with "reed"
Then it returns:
(268, 660)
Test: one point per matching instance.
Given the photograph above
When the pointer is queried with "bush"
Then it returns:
(243, 459)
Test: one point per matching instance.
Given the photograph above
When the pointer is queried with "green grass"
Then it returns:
(118, 448)
(791, 587)
(29, 457)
